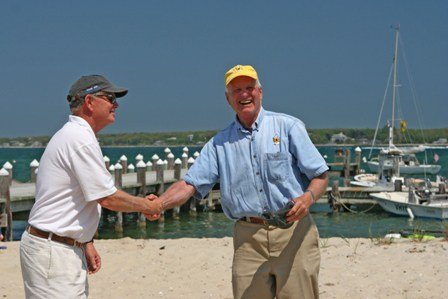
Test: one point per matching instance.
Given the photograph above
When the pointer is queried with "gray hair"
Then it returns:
(75, 104)
(257, 84)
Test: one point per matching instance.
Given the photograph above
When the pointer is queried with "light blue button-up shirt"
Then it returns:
(258, 170)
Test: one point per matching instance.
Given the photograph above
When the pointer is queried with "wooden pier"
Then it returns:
(342, 166)
(153, 177)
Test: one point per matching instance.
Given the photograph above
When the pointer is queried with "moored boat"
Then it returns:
(414, 203)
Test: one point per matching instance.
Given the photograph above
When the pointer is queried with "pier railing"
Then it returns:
(151, 177)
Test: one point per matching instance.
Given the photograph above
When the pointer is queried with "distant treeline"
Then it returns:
(359, 136)
(318, 136)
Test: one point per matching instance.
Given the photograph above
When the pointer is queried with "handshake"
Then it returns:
(154, 208)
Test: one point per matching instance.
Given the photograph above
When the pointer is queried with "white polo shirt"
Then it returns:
(72, 176)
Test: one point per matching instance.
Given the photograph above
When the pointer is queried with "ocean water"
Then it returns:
(372, 224)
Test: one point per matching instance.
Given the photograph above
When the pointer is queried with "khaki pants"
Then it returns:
(270, 262)
(51, 269)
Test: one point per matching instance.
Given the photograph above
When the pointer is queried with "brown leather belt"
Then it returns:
(46, 235)
(255, 220)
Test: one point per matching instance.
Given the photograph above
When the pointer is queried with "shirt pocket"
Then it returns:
(277, 166)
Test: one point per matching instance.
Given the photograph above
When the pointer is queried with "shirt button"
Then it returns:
(255, 156)
(257, 173)
(261, 190)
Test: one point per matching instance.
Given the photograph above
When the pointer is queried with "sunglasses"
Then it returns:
(107, 96)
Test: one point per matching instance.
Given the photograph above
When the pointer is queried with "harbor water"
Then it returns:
(372, 224)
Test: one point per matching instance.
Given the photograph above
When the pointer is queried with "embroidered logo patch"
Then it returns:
(276, 140)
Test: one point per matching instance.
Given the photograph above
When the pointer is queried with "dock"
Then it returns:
(152, 177)
(156, 175)
(23, 194)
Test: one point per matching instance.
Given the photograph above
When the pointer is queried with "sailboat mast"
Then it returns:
(394, 88)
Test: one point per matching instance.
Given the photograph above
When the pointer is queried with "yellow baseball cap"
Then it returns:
(240, 70)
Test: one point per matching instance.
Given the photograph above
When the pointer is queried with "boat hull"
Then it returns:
(396, 203)
(407, 169)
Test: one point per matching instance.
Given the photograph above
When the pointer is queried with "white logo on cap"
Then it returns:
(92, 88)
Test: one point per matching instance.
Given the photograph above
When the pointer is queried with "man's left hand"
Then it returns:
(300, 208)
(93, 258)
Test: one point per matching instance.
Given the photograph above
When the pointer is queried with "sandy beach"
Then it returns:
(201, 268)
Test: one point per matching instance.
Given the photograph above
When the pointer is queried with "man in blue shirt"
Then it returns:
(263, 161)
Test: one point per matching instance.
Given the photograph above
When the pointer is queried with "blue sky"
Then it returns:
(325, 62)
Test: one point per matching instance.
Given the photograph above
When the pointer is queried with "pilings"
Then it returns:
(157, 176)
(334, 197)
(8, 167)
(141, 180)
(342, 165)
(177, 176)
(118, 172)
(6, 215)
(34, 165)
(124, 163)
(347, 167)
(160, 183)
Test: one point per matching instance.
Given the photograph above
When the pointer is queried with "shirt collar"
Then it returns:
(255, 126)
(81, 122)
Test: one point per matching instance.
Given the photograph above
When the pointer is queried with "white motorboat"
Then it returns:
(414, 203)
(408, 165)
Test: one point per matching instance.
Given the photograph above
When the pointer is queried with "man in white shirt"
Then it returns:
(73, 184)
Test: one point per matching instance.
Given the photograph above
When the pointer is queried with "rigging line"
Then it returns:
(403, 135)
(413, 91)
(400, 117)
(381, 110)
(406, 135)
(414, 98)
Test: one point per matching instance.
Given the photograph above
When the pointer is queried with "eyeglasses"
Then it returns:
(107, 96)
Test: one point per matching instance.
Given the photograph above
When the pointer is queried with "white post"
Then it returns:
(177, 174)
(141, 179)
(106, 161)
(154, 158)
(5, 193)
(184, 159)
(124, 163)
(8, 167)
(196, 155)
(112, 169)
(118, 175)
(131, 168)
(138, 158)
(167, 151)
(185, 150)
(170, 158)
(190, 162)
(33, 166)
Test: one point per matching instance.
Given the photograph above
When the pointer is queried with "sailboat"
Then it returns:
(394, 159)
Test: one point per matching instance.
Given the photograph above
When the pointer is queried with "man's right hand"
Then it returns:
(155, 209)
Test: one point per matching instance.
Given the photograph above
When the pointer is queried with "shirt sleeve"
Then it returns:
(203, 174)
(309, 160)
(93, 177)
